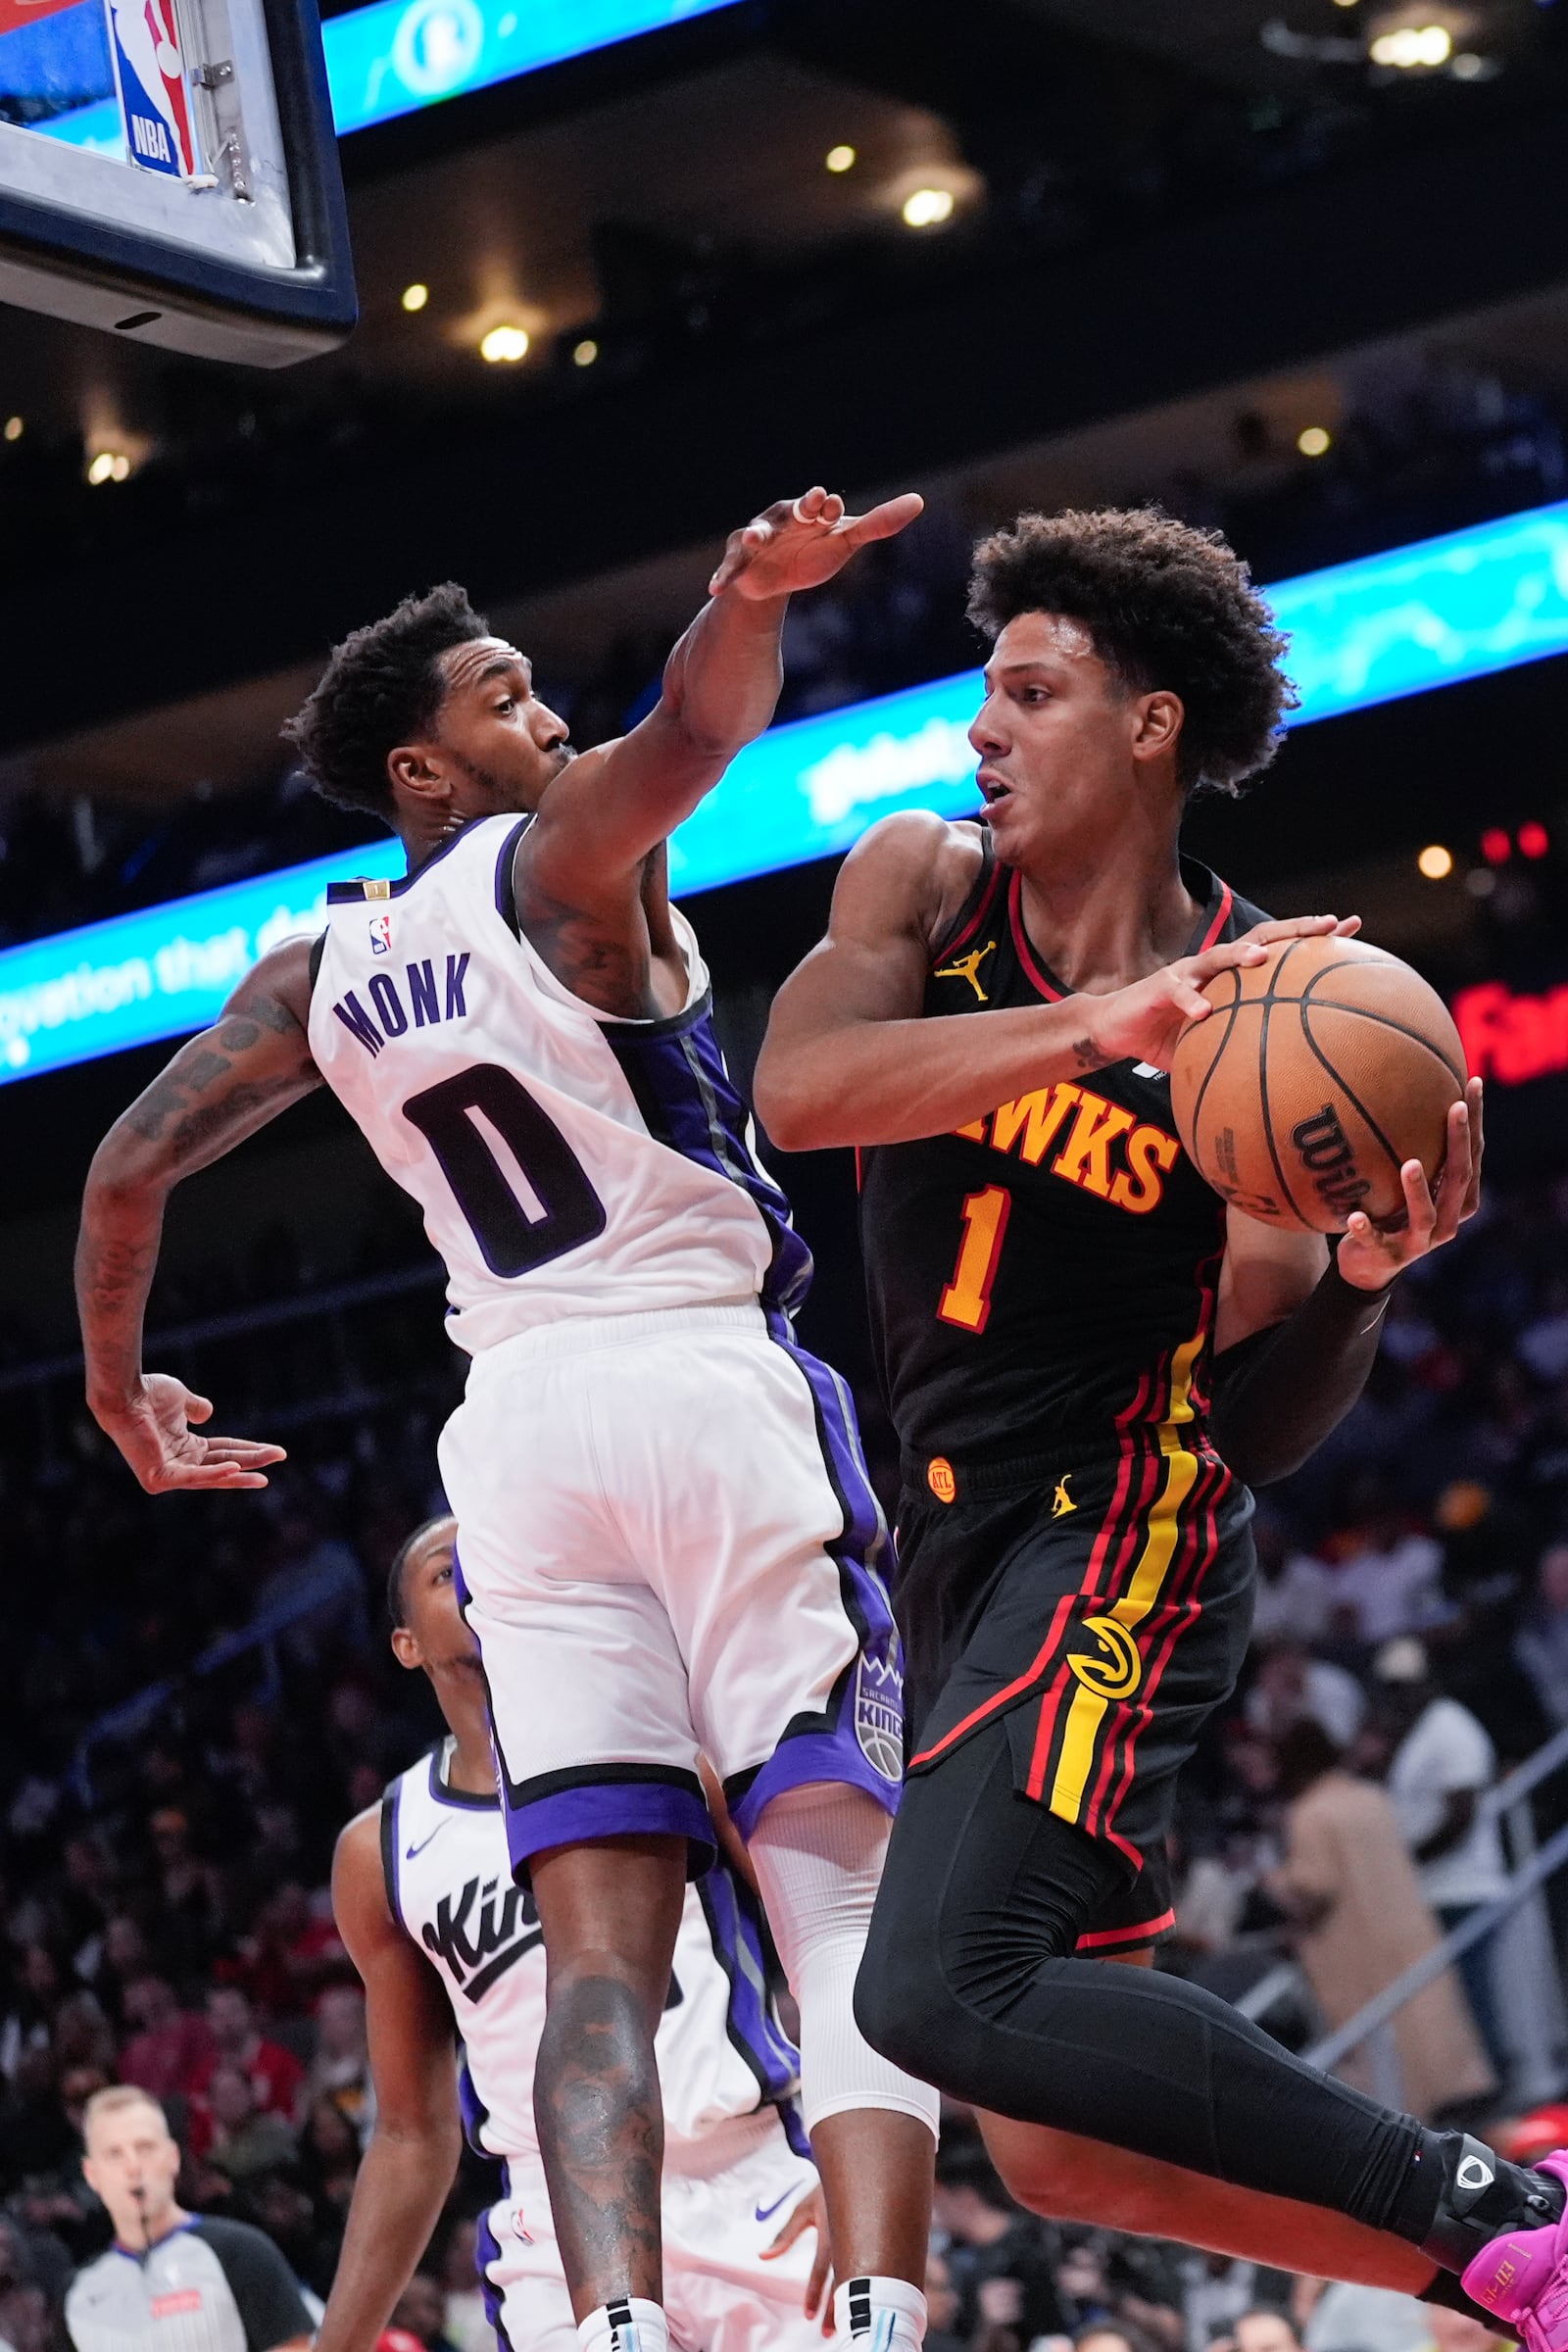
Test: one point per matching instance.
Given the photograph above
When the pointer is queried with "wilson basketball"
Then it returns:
(1317, 1074)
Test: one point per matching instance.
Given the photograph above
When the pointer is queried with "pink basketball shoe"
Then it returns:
(1522, 2276)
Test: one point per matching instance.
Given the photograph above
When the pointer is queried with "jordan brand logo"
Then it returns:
(1061, 1502)
(966, 967)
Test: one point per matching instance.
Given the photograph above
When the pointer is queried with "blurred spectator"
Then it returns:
(274, 2075)
(330, 2154)
(340, 2071)
(421, 2309)
(1266, 2330)
(1385, 1580)
(1349, 1886)
(1295, 1591)
(1541, 1643)
(1367, 2319)
(1290, 1685)
(1439, 1762)
(1218, 2295)
(172, 2049)
(989, 2238)
(942, 2307)
(246, 2139)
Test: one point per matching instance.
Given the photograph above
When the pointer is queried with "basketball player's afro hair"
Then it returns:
(380, 688)
(1168, 605)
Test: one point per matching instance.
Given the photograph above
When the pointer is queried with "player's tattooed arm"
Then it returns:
(217, 1089)
(589, 874)
(408, 2166)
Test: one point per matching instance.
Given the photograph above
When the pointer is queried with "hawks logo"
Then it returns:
(879, 1709)
(1115, 1670)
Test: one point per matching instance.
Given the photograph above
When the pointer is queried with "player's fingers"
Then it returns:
(247, 1452)
(1235, 954)
(1296, 926)
(884, 522)
(808, 509)
(816, 2286)
(793, 2226)
(739, 549)
(1421, 1208)
(184, 1475)
(198, 1409)
(1478, 1143)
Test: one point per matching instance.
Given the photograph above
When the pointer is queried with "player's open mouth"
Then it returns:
(994, 787)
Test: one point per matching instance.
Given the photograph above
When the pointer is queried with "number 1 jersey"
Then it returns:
(567, 1163)
(1035, 1276)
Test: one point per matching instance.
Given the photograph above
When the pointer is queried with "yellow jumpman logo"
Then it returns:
(1062, 1501)
(966, 967)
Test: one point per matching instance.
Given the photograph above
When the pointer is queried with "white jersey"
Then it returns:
(722, 2054)
(567, 1163)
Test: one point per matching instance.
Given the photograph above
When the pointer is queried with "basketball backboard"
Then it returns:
(168, 172)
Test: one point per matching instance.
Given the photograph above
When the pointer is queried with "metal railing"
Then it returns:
(1527, 1981)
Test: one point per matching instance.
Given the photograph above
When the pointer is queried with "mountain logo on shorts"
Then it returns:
(879, 1709)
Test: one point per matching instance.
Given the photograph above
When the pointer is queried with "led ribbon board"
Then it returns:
(1367, 632)
(386, 60)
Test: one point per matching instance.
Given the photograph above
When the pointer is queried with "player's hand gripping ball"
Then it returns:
(1320, 1074)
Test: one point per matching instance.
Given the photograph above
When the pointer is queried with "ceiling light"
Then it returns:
(1314, 442)
(1413, 45)
(120, 468)
(13, 428)
(1495, 847)
(102, 467)
(505, 343)
(1435, 863)
(1468, 66)
(1534, 841)
(415, 297)
(840, 159)
(584, 354)
(927, 207)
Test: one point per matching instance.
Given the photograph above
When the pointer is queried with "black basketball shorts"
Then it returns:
(1100, 1608)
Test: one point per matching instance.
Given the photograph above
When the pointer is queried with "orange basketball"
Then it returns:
(1317, 1074)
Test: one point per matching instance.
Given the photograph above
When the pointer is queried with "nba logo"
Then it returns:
(152, 95)
(381, 935)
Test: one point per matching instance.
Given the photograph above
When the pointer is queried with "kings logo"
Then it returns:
(879, 1708)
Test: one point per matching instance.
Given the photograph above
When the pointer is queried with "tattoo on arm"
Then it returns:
(1087, 1054)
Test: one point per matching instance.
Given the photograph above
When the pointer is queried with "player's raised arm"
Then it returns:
(848, 1058)
(219, 1089)
(585, 854)
(408, 2166)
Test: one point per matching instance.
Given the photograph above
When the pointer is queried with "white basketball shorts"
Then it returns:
(667, 1542)
(719, 2295)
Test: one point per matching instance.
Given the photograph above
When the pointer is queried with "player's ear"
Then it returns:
(405, 1648)
(412, 769)
(1159, 717)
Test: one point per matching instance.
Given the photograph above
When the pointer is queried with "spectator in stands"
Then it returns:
(1218, 2293)
(1541, 1643)
(1386, 1579)
(1439, 1763)
(274, 2075)
(246, 2138)
(989, 2238)
(942, 2307)
(329, 2153)
(172, 2049)
(340, 2071)
(1266, 2330)
(420, 2310)
(1289, 1684)
(1348, 1884)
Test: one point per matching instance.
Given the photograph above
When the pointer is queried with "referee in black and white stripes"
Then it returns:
(172, 2281)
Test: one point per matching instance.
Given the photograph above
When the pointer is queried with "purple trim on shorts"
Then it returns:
(809, 1756)
(486, 2250)
(610, 1809)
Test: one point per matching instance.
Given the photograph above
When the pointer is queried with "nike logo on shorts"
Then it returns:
(765, 2213)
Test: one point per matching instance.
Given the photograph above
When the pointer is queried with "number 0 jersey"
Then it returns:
(1040, 1277)
(567, 1162)
(722, 2054)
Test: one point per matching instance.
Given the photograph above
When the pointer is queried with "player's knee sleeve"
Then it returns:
(818, 1852)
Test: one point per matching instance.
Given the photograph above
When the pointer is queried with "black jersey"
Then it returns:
(1041, 1279)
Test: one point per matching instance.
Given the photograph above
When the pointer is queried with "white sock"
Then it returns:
(628, 2324)
(878, 2315)
(819, 1854)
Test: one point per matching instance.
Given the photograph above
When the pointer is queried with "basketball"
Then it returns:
(1317, 1074)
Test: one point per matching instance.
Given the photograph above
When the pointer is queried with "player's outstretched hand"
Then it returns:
(801, 542)
(1142, 1023)
(153, 1431)
(811, 2214)
(1370, 1258)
